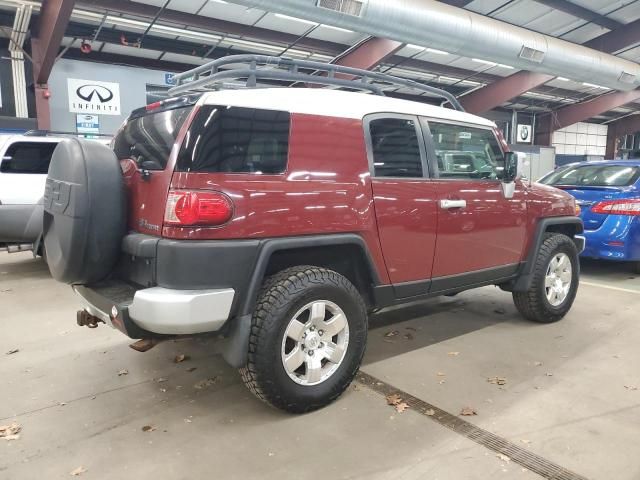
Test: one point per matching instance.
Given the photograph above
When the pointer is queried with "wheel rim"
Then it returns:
(315, 342)
(558, 279)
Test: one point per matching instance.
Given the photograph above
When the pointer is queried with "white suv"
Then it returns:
(24, 163)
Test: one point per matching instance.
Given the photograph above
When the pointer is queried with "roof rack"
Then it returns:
(245, 67)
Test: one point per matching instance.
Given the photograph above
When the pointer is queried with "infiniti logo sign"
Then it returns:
(93, 97)
(88, 92)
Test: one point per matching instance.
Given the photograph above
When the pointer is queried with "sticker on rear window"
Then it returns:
(464, 135)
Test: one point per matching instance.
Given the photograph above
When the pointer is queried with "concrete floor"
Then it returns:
(570, 394)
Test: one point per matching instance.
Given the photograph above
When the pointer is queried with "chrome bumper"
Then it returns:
(160, 310)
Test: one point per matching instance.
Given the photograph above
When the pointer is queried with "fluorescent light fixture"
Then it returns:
(331, 27)
(295, 19)
(219, 1)
(494, 64)
(416, 47)
(593, 85)
(437, 52)
(562, 79)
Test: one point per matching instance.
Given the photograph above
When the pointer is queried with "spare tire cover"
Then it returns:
(84, 212)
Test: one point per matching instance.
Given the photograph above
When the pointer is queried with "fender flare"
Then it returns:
(237, 341)
(523, 282)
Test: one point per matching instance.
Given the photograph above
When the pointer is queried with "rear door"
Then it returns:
(480, 234)
(146, 146)
(404, 200)
(23, 170)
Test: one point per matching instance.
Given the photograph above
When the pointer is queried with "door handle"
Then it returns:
(449, 204)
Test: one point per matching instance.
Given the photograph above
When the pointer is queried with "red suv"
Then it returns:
(278, 218)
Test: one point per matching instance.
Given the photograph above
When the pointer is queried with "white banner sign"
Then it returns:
(90, 96)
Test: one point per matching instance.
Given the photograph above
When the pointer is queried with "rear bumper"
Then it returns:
(169, 287)
(618, 238)
(157, 310)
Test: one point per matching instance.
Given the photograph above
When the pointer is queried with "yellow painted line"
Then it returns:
(608, 287)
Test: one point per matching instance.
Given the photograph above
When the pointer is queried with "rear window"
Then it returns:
(594, 176)
(151, 137)
(236, 140)
(28, 157)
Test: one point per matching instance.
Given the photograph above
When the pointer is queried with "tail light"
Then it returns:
(618, 207)
(195, 207)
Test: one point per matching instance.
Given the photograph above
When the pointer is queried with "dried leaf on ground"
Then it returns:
(468, 411)
(8, 431)
(148, 428)
(393, 333)
(161, 380)
(537, 364)
(453, 354)
(497, 380)
(78, 471)
(202, 384)
(504, 458)
(401, 407)
(548, 374)
(408, 336)
(500, 311)
(122, 372)
(430, 412)
(393, 399)
(11, 352)
(412, 329)
(631, 387)
(180, 358)
(192, 369)
(440, 374)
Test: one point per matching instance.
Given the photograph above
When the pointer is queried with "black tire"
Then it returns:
(533, 304)
(84, 212)
(282, 295)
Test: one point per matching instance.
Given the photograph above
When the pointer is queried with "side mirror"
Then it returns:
(511, 167)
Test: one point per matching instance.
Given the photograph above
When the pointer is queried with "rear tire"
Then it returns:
(291, 325)
(549, 297)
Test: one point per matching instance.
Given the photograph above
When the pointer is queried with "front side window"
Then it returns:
(28, 157)
(236, 140)
(464, 152)
(396, 148)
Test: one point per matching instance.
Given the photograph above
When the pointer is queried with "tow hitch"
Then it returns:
(85, 319)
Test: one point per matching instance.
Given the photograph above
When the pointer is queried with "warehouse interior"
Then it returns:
(457, 386)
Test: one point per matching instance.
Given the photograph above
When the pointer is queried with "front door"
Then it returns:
(404, 200)
(481, 233)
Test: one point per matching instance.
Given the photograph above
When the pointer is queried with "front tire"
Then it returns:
(555, 281)
(308, 336)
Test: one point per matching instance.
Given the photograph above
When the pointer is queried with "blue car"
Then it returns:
(609, 194)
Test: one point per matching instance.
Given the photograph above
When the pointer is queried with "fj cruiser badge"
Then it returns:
(143, 223)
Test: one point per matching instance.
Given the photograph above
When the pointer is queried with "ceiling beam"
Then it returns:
(52, 23)
(618, 39)
(369, 53)
(497, 93)
(579, 112)
(583, 13)
(214, 25)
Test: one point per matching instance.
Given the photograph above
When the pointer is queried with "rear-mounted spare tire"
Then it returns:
(84, 212)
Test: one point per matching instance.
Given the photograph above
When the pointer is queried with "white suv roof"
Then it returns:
(333, 103)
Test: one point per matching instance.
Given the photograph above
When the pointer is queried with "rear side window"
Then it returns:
(150, 137)
(395, 147)
(236, 140)
(594, 176)
(465, 153)
(28, 157)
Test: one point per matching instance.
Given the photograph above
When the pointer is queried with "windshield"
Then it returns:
(594, 176)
